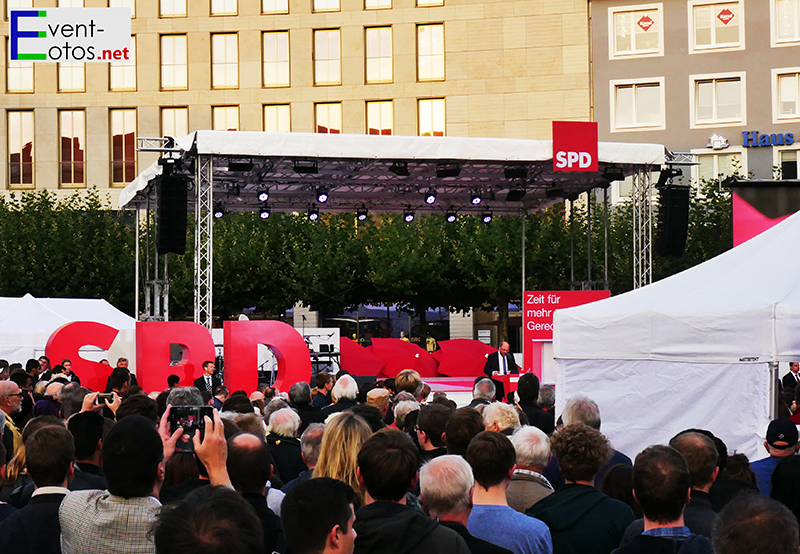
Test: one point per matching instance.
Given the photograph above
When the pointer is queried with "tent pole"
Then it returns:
(136, 271)
(588, 239)
(522, 303)
(605, 238)
(571, 245)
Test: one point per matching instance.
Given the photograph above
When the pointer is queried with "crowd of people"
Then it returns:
(385, 467)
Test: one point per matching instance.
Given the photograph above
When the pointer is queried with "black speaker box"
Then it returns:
(171, 215)
(673, 220)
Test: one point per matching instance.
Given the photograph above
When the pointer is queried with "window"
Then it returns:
(20, 149)
(712, 165)
(224, 61)
(172, 8)
(123, 146)
(275, 52)
(328, 118)
(122, 75)
(785, 18)
(327, 59)
(786, 94)
(377, 4)
(426, 3)
(17, 4)
(635, 31)
(274, 6)
(124, 4)
(430, 117)
(430, 52)
(379, 54)
(174, 122)
(226, 118)
(71, 77)
(72, 126)
(223, 7)
(716, 26)
(174, 72)
(380, 119)
(787, 162)
(637, 105)
(19, 75)
(718, 99)
(277, 118)
(326, 5)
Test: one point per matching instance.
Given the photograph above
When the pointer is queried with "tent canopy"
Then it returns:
(385, 173)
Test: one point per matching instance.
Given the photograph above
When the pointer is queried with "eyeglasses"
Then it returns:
(17, 394)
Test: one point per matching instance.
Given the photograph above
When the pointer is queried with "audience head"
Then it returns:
(532, 448)
(249, 465)
(11, 397)
(274, 405)
(446, 484)
(138, 404)
(408, 380)
(387, 465)
(378, 398)
(781, 437)
(345, 388)
(208, 520)
(120, 379)
(49, 453)
(285, 422)
(701, 457)
(132, 456)
(371, 415)
(345, 433)
(173, 380)
(547, 397)
(580, 409)
(185, 396)
(492, 458)
(432, 422)
(661, 483)
(322, 380)
(311, 443)
(462, 426)
(528, 389)
(754, 524)
(500, 417)
(402, 409)
(310, 530)
(484, 390)
(390, 385)
(87, 432)
(581, 451)
(300, 394)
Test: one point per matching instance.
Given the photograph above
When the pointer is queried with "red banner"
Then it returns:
(575, 146)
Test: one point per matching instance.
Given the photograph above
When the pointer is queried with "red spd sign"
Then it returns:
(575, 146)
(537, 310)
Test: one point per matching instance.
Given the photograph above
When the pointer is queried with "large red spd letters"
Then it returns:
(153, 341)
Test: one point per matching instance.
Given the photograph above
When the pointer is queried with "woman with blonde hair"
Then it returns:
(345, 432)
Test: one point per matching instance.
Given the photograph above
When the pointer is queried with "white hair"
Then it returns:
(581, 409)
(54, 390)
(284, 422)
(503, 414)
(446, 482)
(532, 446)
(402, 409)
(345, 388)
(484, 389)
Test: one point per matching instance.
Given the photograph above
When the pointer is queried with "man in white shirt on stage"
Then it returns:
(500, 363)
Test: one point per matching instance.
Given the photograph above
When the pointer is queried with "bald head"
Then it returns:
(248, 463)
(10, 399)
(54, 390)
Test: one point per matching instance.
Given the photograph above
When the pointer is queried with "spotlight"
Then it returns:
(263, 196)
(450, 216)
(476, 199)
(264, 213)
(486, 217)
(362, 212)
(430, 197)
(447, 170)
(408, 215)
(322, 195)
(305, 166)
(313, 213)
(516, 172)
(400, 169)
(219, 211)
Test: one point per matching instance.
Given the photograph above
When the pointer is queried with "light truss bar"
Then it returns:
(642, 195)
(155, 144)
(203, 241)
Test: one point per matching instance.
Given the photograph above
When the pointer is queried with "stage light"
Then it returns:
(447, 170)
(430, 197)
(313, 214)
(486, 217)
(362, 212)
(451, 216)
(263, 195)
(400, 169)
(408, 215)
(305, 166)
(322, 195)
(516, 172)
(219, 211)
(264, 213)
(476, 199)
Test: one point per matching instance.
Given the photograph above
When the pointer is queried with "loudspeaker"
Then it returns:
(673, 220)
(171, 215)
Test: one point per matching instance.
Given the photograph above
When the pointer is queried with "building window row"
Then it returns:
(175, 122)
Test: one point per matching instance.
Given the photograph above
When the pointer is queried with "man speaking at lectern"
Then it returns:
(500, 363)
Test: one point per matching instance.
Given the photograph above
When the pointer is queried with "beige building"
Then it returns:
(430, 67)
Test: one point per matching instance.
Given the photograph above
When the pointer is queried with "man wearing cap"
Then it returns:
(379, 398)
(781, 442)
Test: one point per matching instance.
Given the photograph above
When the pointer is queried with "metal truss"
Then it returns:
(203, 241)
(642, 196)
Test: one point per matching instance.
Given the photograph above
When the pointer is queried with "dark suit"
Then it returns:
(200, 383)
(287, 454)
(789, 382)
(35, 528)
(539, 418)
(475, 545)
(493, 364)
(270, 523)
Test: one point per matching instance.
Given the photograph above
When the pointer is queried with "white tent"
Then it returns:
(26, 323)
(693, 350)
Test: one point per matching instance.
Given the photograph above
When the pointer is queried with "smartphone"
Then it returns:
(103, 396)
(192, 420)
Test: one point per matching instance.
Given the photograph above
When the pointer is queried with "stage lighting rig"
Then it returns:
(313, 213)
(408, 215)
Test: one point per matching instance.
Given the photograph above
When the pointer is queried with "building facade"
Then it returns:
(409, 67)
(720, 79)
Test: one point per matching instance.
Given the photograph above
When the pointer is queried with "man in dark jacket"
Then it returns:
(300, 398)
(582, 520)
(528, 392)
(387, 466)
(662, 484)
